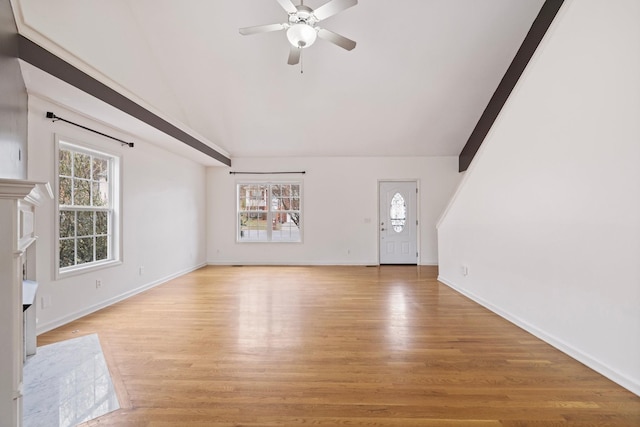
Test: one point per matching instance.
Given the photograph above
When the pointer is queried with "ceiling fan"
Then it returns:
(302, 26)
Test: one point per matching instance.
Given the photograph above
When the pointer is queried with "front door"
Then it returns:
(398, 222)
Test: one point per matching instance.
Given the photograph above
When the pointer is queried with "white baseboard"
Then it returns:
(309, 263)
(46, 327)
(554, 341)
(290, 263)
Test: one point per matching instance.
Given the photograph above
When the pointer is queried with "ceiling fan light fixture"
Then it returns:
(302, 35)
(301, 28)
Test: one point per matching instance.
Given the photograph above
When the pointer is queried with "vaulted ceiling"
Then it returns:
(416, 84)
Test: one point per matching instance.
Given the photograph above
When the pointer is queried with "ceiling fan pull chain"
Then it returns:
(301, 62)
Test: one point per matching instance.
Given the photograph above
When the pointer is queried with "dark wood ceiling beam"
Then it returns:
(537, 31)
(46, 61)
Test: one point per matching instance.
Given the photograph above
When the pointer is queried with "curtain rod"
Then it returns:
(265, 173)
(54, 118)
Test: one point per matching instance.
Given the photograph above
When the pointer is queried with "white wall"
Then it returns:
(340, 208)
(13, 106)
(163, 217)
(547, 219)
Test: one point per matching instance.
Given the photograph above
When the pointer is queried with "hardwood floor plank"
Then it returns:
(357, 346)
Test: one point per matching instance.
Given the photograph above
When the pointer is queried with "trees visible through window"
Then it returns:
(86, 207)
(269, 212)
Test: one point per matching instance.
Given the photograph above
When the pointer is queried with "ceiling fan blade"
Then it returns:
(336, 39)
(262, 29)
(294, 55)
(332, 7)
(288, 6)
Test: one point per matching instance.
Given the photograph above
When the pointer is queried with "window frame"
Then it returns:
(114, 224)
(270, 212)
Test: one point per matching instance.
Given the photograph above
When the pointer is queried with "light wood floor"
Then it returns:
(335, 346)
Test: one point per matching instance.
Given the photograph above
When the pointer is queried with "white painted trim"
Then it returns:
(34, 192)
(40, 329)
(309, 263)
(294, 263)
(558, 343)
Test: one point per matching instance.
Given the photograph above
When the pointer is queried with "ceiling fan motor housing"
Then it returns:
(303, 15)
(302, 32)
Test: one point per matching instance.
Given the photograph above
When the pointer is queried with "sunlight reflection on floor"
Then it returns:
(67, 383)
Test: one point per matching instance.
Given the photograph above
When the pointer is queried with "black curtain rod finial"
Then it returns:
(52, 116)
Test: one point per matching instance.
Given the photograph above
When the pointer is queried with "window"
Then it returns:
(269, 212)
(88, 200)
(398, 212)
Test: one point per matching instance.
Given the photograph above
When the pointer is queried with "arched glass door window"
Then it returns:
(398, 212)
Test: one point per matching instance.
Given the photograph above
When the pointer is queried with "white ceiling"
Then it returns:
(415, 85)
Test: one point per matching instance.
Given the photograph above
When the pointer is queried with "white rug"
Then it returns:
(67, 383)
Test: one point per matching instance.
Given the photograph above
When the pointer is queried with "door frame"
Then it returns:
(418, 226)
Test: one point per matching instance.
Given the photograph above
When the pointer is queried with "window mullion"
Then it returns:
(93, 232)
(75, 238)
(85, 208)
(91, 181)
(269, 224)
(73, 177)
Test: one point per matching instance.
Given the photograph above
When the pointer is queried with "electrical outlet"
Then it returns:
(141, 270)
(464, 270)
(45, 301)
(98, 284)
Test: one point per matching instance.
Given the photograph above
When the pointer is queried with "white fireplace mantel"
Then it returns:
(18, 201)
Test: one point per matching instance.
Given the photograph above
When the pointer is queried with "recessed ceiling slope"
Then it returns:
(49, 88)
(415, 86)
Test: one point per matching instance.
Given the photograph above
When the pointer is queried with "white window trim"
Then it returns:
(269, 213)
(116, 226)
